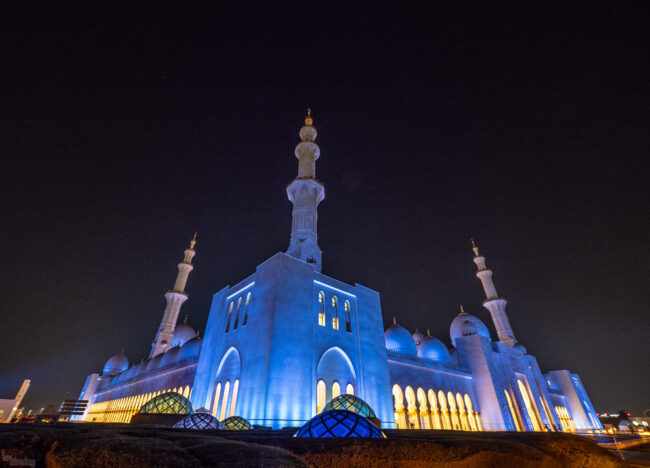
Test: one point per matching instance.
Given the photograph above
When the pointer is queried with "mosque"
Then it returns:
(281, 343)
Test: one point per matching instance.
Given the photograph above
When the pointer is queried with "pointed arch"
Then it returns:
(348, 320)
(232, 304)
(398, 405)
(425, 420)
(321, 396)
(444, 411)
(321, 309)
(455, 420)
(248, 301)
(435, 414)
(462, 413)
(412, 408)
(239, 301)
(335, 317)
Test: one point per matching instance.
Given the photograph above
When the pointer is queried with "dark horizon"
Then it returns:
(525, 128)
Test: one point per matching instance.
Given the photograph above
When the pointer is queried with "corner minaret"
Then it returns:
(495, 304)
(175, 299)
(305, 192)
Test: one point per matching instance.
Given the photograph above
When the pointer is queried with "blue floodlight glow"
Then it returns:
(339, 423)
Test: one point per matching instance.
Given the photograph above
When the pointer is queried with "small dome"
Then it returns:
(418, 336)
(154, 362)
(170, 357)
(116, 364)
(339, 423)
(182, 334)
(190, 349)
(167, 403)
(350, 403)
(465, 325)
(236, 423)
(199, 421)
(521, 348)
(432, 348)
(399, 339)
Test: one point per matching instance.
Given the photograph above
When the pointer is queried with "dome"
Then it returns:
(465, 325)
(167, 403)
(521, 348)
(432, 348)
(116, 364)
(170, 357)
(350, 403)
(399, 339)
(339, 423)
(182, 334)
(190, 349)
(236, 423)
(199, 421)
(418, 336)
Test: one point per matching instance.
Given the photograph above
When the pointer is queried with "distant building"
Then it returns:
(282, 342)
(9, 407)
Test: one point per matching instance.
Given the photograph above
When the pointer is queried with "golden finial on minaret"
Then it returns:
(394, 320)
(193, 241)
(308, 119)
(474, 248)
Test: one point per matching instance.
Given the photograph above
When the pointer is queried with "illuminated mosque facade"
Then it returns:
(281, 343)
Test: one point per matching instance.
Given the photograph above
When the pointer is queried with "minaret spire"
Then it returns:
(306, 192)
(495, 304)
(175, 299)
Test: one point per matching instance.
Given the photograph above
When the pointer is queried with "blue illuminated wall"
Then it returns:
(282, 351)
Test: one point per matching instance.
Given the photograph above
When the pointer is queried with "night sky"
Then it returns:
(123, 131)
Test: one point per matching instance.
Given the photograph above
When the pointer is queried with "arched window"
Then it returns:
(398, 405)
(335, 318)
(215, 401)
(348, 323)
(512, 411)
(224, 402)
(470, 413)
(349, 389)
(233, 403)
(321, 397)
(411, 407)
(446, 421)
(232, 304)
(455, 420)
(425, 421)
(237, 314)
(336, 389)
(464, 420)
(321, 308)
(530, 409)
(435, 414)
(248, 301)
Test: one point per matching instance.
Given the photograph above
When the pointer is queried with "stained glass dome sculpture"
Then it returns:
(339, 423)
(167, 403)
(199, 421)
(236, 423)
(350, 403)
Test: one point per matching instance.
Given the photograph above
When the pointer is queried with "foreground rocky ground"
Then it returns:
(68, 445)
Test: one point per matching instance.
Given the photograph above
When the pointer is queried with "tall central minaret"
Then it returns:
(175, 299)
(305, 192)
(495, 304)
